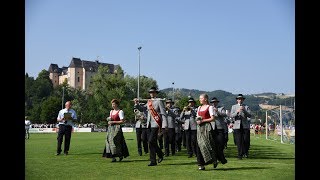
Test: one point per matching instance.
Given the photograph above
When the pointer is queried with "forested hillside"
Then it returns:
(227, 99)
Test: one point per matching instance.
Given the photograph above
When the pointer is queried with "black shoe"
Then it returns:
(245, 156)
(160, 159)
(215, 164)
(65, 153)
(120, 158)
(201, 168)
(224, 161)
(113, 160)
(140, 153)
(240, 158)
(57, 154)
(152, 164)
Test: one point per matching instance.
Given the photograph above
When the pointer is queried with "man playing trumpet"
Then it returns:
(188, 116)
(156, 118)
(170, 135)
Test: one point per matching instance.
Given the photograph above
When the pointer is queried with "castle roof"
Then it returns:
(91, 66)
(75, 63)
(54, 68)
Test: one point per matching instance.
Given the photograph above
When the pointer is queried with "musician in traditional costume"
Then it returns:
(188, 116)
(141, 131)
(220, 126)
(241, 113)
(170, 135)
(178, 129)
(156, 119)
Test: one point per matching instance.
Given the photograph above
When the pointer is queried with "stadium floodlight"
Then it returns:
(138, 95)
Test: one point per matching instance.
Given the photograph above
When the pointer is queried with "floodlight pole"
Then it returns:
(138, 95)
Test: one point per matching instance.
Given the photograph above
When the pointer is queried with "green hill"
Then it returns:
(227, 99)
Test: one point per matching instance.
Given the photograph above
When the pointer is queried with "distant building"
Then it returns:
(78, 74)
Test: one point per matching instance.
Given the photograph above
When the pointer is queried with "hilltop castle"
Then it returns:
(78, 74)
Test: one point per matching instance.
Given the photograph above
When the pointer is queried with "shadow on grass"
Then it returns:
(132, 160)
(235, 168)
(179, 163)
(72, 154)
(258, 152)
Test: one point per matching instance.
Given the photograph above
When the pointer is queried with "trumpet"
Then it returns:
(187, 108)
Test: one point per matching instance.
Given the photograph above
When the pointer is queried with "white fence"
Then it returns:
(75, 129)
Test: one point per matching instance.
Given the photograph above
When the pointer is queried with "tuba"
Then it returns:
(140, 116)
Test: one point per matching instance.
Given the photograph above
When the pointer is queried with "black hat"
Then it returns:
(214, 99)
(191, 100)
(153, 89)
(240, 96)
(169, 101)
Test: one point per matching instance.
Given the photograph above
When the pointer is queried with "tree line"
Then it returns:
(43, 101)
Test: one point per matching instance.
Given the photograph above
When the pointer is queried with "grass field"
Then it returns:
(267, 160)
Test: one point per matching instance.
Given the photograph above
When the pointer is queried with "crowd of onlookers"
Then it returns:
(86, 125)
(289, 130)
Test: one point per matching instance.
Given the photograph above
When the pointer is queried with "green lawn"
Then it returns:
(267, 160)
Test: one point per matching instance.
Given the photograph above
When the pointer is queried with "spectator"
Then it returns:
(27, 124)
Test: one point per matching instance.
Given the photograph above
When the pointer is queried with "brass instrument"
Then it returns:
(187, 108)
(140, 116)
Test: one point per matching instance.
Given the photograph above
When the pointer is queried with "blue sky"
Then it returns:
(245, 46)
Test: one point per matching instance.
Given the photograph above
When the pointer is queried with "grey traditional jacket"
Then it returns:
(219, 115)
(242, 117)
(159, 107)
(189, 119)
(171, 118)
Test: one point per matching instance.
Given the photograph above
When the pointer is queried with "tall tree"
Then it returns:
(105, 87)
(50, 109)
